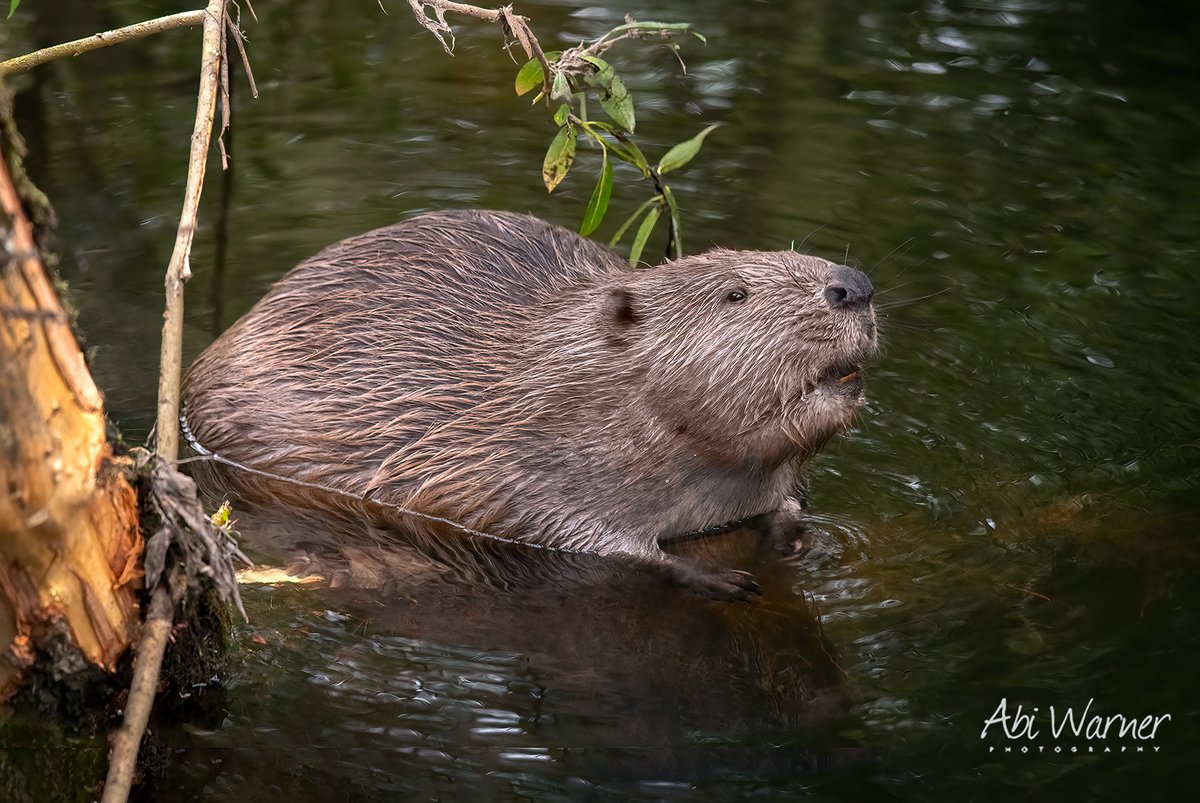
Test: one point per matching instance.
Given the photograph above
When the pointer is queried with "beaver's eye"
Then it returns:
(736, 296)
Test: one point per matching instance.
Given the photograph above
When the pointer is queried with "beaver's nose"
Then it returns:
(848, 288)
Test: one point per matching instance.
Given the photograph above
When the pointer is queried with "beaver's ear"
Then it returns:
(618, 315)
(620, 308)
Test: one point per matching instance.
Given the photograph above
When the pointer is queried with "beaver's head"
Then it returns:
(753, 356)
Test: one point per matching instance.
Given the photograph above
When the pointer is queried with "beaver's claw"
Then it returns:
(785, 529)
(728, 585)
(714, 583)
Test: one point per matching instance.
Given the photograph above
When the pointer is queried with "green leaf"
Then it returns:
(598, 205)
(12, 7)
(559, 157)
(616, 238)
(676, 251)
(531, 76)
(560, 89)
(590, 130)
(624, 148)
(618, 104)
(683, 153)
(604, 71)
(561, 114)
(640, 160)
(624, 154)
(643, 234)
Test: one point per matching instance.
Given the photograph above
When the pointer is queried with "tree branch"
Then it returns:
(187, 19)
(514, 25)
(179, 271)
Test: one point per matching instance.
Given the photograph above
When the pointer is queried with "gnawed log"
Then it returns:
(69, 538)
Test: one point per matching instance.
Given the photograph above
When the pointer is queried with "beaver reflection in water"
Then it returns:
(508, 375)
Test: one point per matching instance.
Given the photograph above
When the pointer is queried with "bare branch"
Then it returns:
(178, 271)
(223, 59)
(514, 25)
(437, 24)
(632, 29)
(128, 738)
(440, 7)
(187, 19)
(239, 39)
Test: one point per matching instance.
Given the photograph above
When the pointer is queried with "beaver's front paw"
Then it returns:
(711, 582)
(785, 530)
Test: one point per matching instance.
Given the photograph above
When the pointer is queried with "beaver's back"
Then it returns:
(378, 338)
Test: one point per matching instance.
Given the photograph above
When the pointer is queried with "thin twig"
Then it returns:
(239, 40)
(440, 7)
(187, 19)
(604, 43)
(223, 57)
(437, 24)
(127, 740)
(179, 271)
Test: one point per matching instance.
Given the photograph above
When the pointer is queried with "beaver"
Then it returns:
(496, 371)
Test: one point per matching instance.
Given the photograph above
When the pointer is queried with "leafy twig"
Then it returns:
(567, 77)
(633, 29)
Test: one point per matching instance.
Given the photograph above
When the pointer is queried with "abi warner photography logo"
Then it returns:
(1070, 729)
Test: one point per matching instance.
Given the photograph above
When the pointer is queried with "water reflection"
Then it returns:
(470, 659)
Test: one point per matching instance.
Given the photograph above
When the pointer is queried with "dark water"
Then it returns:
(1012, 520)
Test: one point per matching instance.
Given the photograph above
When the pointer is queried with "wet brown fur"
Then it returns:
(495, 370)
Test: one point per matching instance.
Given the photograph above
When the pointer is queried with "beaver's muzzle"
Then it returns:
(848, 289)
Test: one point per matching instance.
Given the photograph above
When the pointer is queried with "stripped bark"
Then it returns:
(69, 538)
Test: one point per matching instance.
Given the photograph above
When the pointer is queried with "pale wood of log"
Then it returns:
(69, 538)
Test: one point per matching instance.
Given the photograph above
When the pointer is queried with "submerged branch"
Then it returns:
(186, 19)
